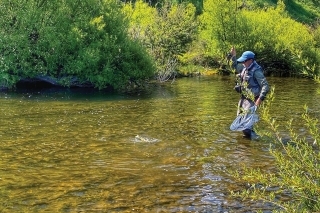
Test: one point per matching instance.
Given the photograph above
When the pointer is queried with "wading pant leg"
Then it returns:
(245, 105)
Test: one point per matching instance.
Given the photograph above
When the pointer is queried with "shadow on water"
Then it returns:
(165, 150)
(86, 93)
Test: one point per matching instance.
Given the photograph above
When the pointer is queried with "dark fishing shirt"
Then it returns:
(253, 79)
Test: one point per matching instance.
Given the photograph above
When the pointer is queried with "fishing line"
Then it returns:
(234, 32)
(235, 25)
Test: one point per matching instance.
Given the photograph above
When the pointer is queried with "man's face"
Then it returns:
(247, 63)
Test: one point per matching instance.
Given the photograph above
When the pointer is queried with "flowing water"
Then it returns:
(166, 150)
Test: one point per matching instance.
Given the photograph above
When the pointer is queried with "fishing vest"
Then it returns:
(248, 81)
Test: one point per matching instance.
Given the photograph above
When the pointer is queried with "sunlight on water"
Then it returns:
(167, 150)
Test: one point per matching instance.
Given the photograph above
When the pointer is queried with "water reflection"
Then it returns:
(69, 151)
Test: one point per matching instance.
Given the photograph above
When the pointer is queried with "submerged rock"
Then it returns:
(139, 138)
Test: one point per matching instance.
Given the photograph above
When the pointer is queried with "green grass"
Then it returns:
(302, 12)
(305, 11)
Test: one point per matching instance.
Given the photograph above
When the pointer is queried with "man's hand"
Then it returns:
(233, 52)
(258, 102)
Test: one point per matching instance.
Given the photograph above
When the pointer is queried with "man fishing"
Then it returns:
(252, 85)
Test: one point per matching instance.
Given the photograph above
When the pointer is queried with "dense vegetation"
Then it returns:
(262, 28)
(84, 41)
(109, 43)
(165, 32)
(282, 50)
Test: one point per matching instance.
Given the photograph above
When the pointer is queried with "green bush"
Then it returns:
(316, 34)
(63, 39)
(280, 49)
(166, 32)
(217, 27)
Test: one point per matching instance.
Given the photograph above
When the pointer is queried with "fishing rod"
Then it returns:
(235, 23)
(234, 40)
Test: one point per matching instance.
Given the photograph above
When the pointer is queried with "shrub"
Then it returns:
(282, 50)
(63, 39)
(217, 27)
(297, 172)
(166, 32)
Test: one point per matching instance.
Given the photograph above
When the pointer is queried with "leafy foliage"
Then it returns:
(86, 39)
(166, 32)
(277, 44)
(294, 185)
(107, 44)
(304, 11)
(316, 34)
(159, 3)
(282, 50)
(218, 23)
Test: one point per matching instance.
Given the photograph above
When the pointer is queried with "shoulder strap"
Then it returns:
(254, 68)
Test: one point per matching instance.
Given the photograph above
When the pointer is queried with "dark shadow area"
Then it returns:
(300, 13)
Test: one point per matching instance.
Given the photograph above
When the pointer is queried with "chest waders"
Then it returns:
(248, 85)
(249, 94)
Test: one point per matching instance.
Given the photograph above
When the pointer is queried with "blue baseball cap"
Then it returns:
(245, 56)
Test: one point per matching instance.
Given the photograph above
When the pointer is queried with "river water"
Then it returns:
(166, 150)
